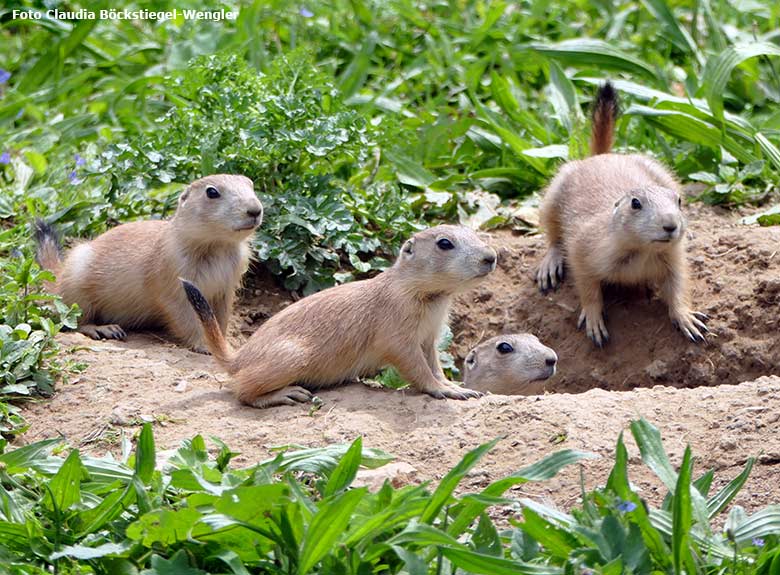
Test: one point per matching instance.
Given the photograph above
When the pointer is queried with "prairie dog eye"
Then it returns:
(636, 204)
(445, 244)
(212, 193)
(504, 348)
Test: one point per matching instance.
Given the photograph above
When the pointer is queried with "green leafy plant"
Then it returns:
(30, 320)
(300, 512)
(731, 186)
(306, 151)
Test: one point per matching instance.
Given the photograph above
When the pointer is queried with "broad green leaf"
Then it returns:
(719, 68)
(144, 454)
(648, 438)
(31, 456)
(163, 526)
(674, 32)
(618, 483)
(688, 127)
(326, 527)
(772, 152)
(682, 518)
(472, 562)
(593, 53)
(65, 487)
(344, 473)
(423, 535)
(179, 564)
(108, 509)
(761, 524)
(546, 468)
(558, 541)
(450, 481)
(410, 172)
(703, 483)
(722, 498)
(232, 560)
(563, 98)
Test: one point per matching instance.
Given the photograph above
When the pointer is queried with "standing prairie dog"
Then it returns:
(506, 364)
(616, 218)
(355, 329)
(128, 277)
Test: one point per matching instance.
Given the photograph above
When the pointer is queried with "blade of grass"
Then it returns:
(326, 527)
(719, 68)
(451, 480)
(682, 518)
(472, 562)
(594, 53)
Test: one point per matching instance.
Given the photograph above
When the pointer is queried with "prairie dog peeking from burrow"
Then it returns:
(355, 329)
(128, 277)
(508, 364)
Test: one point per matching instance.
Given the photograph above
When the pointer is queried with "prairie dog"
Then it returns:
(615, 218)
(506, 364)
(355, 329)
(127, 278)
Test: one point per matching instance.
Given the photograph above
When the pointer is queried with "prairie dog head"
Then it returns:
(507, 364)
(445, 259)
(221, 207)
(649, 216)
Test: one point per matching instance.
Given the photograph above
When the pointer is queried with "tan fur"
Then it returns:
(590, 224)
(489, 367)
(605, 111)
(127, 278)
(355, 329)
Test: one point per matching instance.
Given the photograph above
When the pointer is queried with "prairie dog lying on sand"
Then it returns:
(355, 329)
(128, 277)
(506, 364)
(616, 218)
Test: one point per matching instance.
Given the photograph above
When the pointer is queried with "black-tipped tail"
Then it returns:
(605, 112)
(215, 340)
(197, 301)
(47, 245)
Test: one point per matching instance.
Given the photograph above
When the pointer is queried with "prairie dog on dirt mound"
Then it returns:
(356, 329)
(128, 277)
(506, 364)
(616, 218)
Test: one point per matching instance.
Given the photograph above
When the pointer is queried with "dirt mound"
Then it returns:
(735, 279)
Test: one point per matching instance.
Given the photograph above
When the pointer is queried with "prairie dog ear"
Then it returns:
(407, 250)
(471, 359)
(184, 195)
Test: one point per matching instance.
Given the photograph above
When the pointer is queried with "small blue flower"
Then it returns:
(758, 542)
(74, 177)
(79, 160)
(626, 506)
(5, 75)
(5, 158)
(20, 114)
(305, 12)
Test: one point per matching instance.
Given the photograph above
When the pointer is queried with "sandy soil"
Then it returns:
(735, 281)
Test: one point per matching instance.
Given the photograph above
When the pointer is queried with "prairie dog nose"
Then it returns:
(254, 212)
(551, 361)
(670, 228)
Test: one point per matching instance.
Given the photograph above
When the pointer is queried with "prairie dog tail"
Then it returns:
(605, 112)
(47, 246)
(215, 341)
